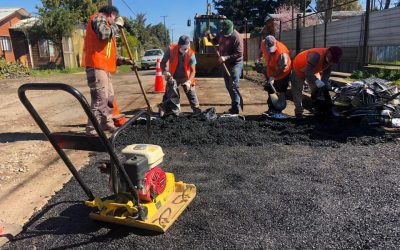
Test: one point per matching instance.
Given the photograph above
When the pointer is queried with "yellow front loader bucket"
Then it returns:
(161, 212)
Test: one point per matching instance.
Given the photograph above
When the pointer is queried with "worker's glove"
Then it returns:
(188, 84)
(119, 22)
(167, 75)
(128, 61)
(271, 80)
(319, 83)
(222, 59)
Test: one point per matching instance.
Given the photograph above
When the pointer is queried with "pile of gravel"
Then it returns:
(256, 131)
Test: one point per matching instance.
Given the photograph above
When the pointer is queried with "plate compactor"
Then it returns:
(144, 196)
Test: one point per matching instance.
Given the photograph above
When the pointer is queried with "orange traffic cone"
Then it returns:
(159, 83)
(119, 119)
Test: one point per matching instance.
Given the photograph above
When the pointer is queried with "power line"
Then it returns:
(123, 1)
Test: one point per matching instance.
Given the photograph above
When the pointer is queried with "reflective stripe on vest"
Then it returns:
(300, 62)
(108, 48)
(97, 53)
(174, 59)
(272, 61)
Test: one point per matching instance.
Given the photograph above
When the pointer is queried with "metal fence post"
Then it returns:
(298, 34)
(280, 30)
(313, 42)
(325, 32)
(366, 32)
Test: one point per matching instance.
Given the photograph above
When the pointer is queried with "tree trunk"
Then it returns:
(387, 4)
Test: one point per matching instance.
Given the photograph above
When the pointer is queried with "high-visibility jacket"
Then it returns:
(271, 60)
(300, 62)
(97, 53)
(174, 58)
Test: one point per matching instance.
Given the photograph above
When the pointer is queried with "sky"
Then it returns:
(177, 11)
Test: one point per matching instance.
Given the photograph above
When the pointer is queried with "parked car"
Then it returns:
(150, 57)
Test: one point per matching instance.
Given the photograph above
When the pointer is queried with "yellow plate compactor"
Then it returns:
(144, 196)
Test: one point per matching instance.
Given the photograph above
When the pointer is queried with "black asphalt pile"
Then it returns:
(256, 131)
(254, 191)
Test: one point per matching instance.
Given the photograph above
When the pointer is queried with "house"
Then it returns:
(17, 46)
(8, 17)
(34, 54)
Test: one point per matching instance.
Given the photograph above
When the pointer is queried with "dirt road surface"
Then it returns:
(31, 171)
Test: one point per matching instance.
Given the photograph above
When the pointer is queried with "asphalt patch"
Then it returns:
(332, 187)
(257, 131)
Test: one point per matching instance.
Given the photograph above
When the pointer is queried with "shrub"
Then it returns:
(12, 69)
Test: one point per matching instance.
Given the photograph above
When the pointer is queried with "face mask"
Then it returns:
(182, 50)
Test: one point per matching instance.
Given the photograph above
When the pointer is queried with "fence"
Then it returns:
(382, 38)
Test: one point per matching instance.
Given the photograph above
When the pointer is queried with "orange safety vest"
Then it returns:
(272, 60)
(97, 53)
(174, 58)
(300, 62)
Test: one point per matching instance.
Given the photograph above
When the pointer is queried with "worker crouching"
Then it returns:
(314, 66)
(278, 64)
(181, 72)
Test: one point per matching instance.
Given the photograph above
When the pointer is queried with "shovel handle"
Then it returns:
(273, 87)
(135, 68)
(223, 63)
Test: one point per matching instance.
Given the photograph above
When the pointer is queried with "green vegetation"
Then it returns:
(49, 72)
(124, 69)
(393, 76)
(12, 70)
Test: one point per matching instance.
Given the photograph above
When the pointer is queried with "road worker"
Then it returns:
(100, 60)
(231, 50)
(278, 69)
(314, 66)
(181, 72)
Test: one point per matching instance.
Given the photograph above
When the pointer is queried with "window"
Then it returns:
(51, 48)
(43, 48)
(46, 48)
(153, 53)
(5, 42)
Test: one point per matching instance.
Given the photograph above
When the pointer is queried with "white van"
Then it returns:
(150, 57)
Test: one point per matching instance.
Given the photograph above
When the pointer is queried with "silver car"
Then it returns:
(150, 57)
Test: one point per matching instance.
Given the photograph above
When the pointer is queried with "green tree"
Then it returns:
(158, 31)
(133, 43)
(254, 10)
(58, 19)
(321, 5)
(149, 36)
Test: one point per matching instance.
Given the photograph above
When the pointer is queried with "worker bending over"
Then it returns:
(181, 72)
(314, 66)
(100, 60)
(279, 65)
(231, 51)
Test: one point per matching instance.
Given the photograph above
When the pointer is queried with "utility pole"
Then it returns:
(165, 28)
(110, 2)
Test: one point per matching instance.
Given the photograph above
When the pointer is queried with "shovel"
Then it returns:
(276, 100)
(135, 69)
